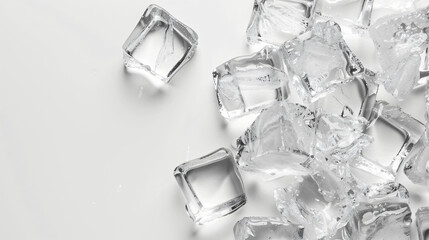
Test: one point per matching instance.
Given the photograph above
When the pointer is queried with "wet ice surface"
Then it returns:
(422, 221)
(159, 45)
(263, 228)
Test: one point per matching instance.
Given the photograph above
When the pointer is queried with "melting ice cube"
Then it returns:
(160, 44)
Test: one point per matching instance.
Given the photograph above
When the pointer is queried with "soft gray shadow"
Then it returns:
(142, 85)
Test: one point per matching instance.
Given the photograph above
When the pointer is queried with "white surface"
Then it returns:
(87, 150)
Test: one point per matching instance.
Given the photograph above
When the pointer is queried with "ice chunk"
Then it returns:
(250, 83)
(385, 192)
(386, 220)
(279, 140)
(263, 228)
(395, 133)
(356, 97)
(160, 44)
(211, 185)
(341, 138)
(350, 13)
(422, 221)
(417, 162)
(275, 21)
(320, 202)
(402, 43)
(320, 61)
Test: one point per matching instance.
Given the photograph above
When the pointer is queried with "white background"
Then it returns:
(87, 150)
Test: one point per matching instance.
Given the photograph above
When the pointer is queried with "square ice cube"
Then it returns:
(160, 44)
(319, 61)
(250, 83)
(355, 13)
(263, 228)
(275, 21)
(422, 222)
(211, 185)
(395, 134)
(278, 141)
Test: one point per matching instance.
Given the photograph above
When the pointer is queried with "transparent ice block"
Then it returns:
(350, 13)
(320, 202)
(417, 163)
(422, 221)
(402, 43)
(160, 44)
(319, 61)
(395, 133)
(250, 83)
(275, 21)
(278, 141)
(211, 185)
(264, 228)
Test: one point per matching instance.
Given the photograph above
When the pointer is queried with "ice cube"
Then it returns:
(319, 61)
(250, 83)
(278, 141)
(211, 185)
(357, 97)
(159, 45)
(422, 221)
(275, 21)
(386, 192)
(386, 220)
(402, 43)
(417, 162)
(350, 13)
(395, 133)
(263, 228)
(319, 202)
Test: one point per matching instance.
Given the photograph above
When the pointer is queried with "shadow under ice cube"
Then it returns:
(160, 44)
(275, 21)
(211, 185)
(263, 228)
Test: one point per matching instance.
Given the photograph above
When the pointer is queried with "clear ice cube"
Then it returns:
(356, 97)
(351, 13)
(386, 220)
(159, 45)
(395, 133)
(385, 192)
(422, 222)
(278, 141)
(275, 21)
(319, 61)
(417, 162)
(250, 83)
(402, 43)
(211, 185)
(320, 202)
(263, 228)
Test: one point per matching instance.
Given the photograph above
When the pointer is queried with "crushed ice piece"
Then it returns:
(263, 228)
(211, 185)
(350, 13)
(402, 43)
(356, 98)
(160, 44)
(319, 61)
(278, 141)
(422, 222)
(320, 202)
(275, 21)
(386, 192)
(385, 220)
(403, 132)
(250, 83)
